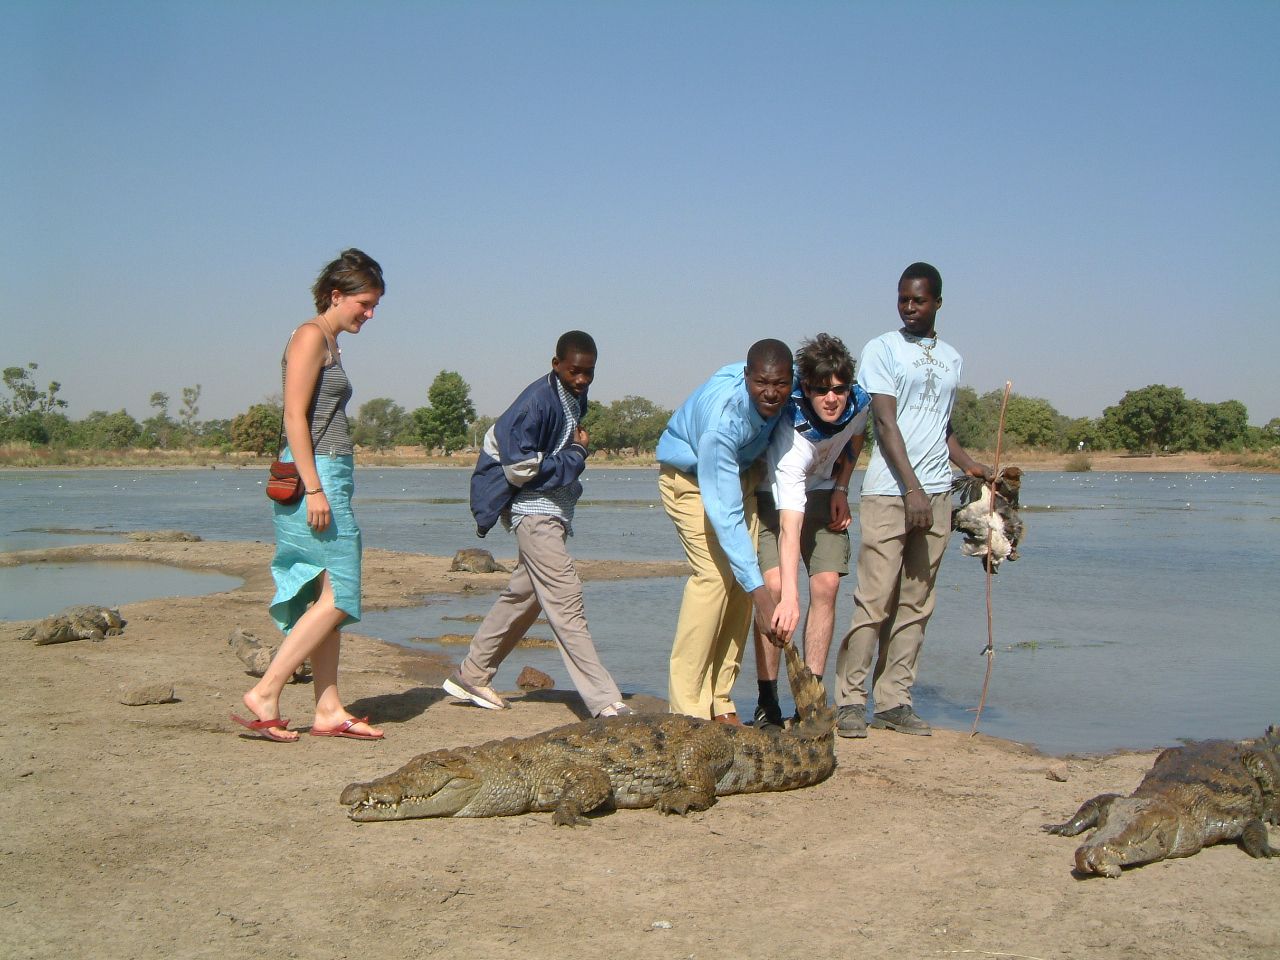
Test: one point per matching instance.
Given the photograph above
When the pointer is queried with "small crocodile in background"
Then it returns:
(668, 761)
(475, 560)
(85, 622)
(1193, 796)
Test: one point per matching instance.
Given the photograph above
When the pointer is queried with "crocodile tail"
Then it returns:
(806, 689)
(1269, 741)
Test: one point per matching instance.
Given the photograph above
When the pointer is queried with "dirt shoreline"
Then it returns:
(161, 831)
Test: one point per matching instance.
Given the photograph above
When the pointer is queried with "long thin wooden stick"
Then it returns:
(990, 650)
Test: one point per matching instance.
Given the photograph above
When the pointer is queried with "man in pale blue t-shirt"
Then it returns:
(905, 510)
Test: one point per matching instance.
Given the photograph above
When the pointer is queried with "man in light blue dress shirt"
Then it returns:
(707, 483)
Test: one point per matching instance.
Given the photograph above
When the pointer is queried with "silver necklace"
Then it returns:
(332, 337)
(924, 343)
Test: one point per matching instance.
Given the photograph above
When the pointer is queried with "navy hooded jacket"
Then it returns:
(516, 454)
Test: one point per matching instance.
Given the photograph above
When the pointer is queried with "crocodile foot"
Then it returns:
(683, 800)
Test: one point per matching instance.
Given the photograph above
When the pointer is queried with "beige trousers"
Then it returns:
(715, 614)
(893, 601)
(544, 581)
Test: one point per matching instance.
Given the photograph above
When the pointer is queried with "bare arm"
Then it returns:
(960, 457)
(305, 356)
(786, 616)
(841, 515)
(764, 606)
(884, 407)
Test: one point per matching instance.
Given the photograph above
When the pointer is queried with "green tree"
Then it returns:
(190, 407)
(632, 423)
(973, 420)
(477, 429)
(1150, 419)
(257, 430)
(1031, 422)
(1228, 423)
(27, 428)
(60, 429)
(187, 429)
(602, 427)
(25, 397)
(157, 430)
(1195, 430)
(25, 414)
(444, 423)
(214, 433)
(1082, 430)
(380, 423)
(108, 431)
(641, 421)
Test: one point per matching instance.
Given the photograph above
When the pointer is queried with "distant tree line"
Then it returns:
(1154, 418)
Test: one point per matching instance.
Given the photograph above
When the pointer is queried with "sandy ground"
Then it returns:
(163, 831)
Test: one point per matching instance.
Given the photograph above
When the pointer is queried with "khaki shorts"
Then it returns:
(822, 550)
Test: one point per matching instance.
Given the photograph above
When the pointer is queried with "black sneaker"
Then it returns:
(851, 720)
(767, 718)
(903, 719)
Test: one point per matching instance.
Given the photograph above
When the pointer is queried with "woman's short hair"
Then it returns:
(353, 272)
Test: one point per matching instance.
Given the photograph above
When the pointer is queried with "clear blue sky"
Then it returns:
(1096, 181)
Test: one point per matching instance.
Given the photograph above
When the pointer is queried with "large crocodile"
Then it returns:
(1193, 796)
(671, 762)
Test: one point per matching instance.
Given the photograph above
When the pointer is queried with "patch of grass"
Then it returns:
(1078, 463)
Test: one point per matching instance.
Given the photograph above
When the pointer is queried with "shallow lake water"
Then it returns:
(1141, 612)
(35, 590)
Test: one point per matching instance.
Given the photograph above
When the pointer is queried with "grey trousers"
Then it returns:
(893, 601)
(544, 581)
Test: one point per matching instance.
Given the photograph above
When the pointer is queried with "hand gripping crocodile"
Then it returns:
(670, 762)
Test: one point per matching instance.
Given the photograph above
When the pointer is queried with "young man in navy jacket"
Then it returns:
(527, 477)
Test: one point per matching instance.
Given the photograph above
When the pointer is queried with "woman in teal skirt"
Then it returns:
(317, 562)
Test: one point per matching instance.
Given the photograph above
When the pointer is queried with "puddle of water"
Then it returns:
(34, 590)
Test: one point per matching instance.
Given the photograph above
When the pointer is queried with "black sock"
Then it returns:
(768, 693)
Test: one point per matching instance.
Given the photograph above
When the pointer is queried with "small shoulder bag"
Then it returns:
(284, 485)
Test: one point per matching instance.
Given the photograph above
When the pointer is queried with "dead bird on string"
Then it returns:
(992, 534)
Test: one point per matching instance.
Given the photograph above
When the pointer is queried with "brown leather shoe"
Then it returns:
(728, 719)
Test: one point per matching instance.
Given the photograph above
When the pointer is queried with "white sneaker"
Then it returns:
(618, 709)
(485, 697)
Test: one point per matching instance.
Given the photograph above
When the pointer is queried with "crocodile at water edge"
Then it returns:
(671, 762)
(1192, 797)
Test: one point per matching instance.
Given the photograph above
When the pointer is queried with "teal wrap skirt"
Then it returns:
(302, 554)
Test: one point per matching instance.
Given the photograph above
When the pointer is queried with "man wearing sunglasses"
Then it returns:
(904, 515)
(803, 505)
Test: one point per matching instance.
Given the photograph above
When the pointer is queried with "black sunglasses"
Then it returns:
(839, 389)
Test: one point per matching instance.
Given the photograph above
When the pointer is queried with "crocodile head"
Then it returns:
(426, 786)
(1137, 830)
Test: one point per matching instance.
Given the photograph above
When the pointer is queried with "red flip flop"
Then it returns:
(344, 730)
(264, 727)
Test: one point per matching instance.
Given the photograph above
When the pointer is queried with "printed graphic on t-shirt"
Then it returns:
(930, 398)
